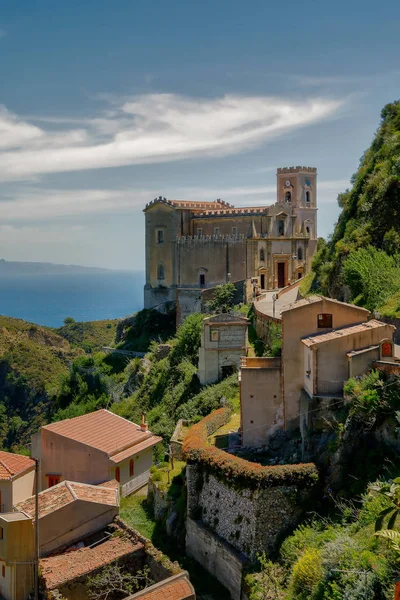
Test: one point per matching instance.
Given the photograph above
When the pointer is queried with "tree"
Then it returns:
(113, 581)
(69, 321)
(223, 298)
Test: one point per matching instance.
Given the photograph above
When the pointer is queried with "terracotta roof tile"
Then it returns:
(14, 464)
(117, 458)
(70, 565)
(180, 589)
(101, 429)
(66, 492)
(322, 338)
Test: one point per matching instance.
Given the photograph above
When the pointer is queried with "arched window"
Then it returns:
(288, 197)
(131, 468)
(308, 197)
(117, 474)
(160, 272)
(308, 230)
(262, 254)
(300, 254)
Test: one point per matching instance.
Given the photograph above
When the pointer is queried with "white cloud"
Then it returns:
(153, 128)
(36, 204)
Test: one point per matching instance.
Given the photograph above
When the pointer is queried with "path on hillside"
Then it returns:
(265, 305)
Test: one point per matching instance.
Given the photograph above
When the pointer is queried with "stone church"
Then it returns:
(198, 245)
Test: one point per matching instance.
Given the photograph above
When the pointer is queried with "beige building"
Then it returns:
(197, 245)
(223, 342)
(16, 556)
(324, 343)
(17, 479)
(94, 448)
(70, 511)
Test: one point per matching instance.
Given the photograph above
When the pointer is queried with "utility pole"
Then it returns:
(36, 565)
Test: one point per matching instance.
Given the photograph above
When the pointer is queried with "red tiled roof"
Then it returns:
(13, 464)
(198, 204)
(336, 334)
(102, 430)
(243, 210)
(70, 565)
(66, 492)
(132, 450)
(175, 590)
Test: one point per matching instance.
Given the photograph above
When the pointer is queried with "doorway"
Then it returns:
(281, 274)
(262, 281)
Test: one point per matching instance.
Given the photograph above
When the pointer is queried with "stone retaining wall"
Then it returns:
(251, 520)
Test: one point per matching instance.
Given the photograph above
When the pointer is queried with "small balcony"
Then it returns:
(135, 484)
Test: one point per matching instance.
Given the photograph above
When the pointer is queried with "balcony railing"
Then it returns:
(134, 484)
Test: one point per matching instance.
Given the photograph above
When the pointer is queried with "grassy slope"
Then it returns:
(90, 335)
(33, 352)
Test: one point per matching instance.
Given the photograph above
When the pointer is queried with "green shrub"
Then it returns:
(307, 574)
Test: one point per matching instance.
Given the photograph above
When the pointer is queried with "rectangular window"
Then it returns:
(324, 320)
(281, 227)
(199, 232)
(53, 480)
(202, 280)
(216, 230)
(234, 231)
(214, 335)
(160, 236)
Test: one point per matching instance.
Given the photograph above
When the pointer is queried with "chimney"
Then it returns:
(143, 424)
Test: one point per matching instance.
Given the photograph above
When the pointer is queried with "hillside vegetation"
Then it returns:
(92, 336)
(33, 359)
(361, 260)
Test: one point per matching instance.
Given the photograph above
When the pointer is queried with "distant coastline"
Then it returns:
(11, 267)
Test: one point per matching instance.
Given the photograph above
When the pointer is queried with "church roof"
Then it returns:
(194, 205)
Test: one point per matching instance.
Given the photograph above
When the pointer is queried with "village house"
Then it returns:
(94, 448)
(223, 341)
(197, 245)
(16, 556)
(85, 508)
(324, 343)
(17, 479)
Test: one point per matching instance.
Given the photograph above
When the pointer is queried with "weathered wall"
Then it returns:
(188, 301)
(332, 356)
(260, 400)
(83, 518)
(72, 460)
(226, 351)
(216, 556)
(23, 487)
(214, 258)
(297, 324)
(250, 520)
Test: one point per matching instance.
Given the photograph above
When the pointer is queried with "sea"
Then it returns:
(47, 299)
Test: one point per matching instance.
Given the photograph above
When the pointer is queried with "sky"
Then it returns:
(106, 104)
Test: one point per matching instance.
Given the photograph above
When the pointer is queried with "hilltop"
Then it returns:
(361, 262)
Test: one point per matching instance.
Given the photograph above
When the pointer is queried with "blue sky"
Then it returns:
(106, 104)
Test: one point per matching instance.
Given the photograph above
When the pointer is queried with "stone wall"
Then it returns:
(216, 556)
(194, 299)
(251, 520)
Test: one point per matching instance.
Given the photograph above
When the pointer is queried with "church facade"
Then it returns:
(198, 245)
